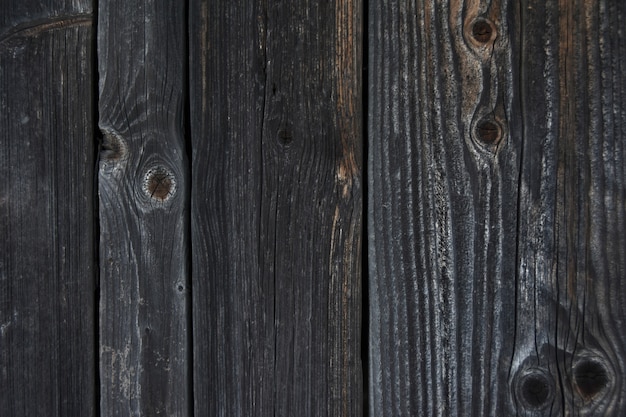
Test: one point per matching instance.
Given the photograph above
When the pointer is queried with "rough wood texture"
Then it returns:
(40, 14)
(276, 207)
(144, 335)
(47, 244)
(496, 207)
(570, 346)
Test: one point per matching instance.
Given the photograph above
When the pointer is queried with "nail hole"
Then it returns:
(536, 390)
(488, 131)
(482, 31)
(159, 183)
(591, 378)
(285, 137)
(180, 288)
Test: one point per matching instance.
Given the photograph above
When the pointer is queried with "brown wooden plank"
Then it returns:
(47, 233)
(143, 184)
(496, 185)
(276, 207)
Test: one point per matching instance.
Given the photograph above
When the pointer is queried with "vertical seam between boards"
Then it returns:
(187, 136)
(97, 144)
(364, 210)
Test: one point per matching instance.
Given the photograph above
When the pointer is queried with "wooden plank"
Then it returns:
(570, 350)
(47, 244)
(442, 209)
(144, 331)
(276, 207)
(495, 208)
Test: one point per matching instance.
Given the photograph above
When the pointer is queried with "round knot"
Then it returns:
(159, 183)
(535, 389)
(483, 31)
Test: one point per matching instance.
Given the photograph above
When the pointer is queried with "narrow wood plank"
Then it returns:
(276, 207)
(144, 332)
(47, 218)
(495, 208)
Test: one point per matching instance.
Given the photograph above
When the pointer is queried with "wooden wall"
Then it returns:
(312, 208)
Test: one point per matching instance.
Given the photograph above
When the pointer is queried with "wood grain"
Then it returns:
(143, 189)
(569, 329)
(31, 13)
(276, 207)
(47, 233)
(496, 182)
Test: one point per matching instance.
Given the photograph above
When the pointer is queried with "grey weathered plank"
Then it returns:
(442, 211)
(276, 207)
(496, 249)
(571, 252)
(47, 238)
(144, 332)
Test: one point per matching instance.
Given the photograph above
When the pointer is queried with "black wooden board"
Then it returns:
(496, 207)
(275, 91)
(47, 230)
(144, 220)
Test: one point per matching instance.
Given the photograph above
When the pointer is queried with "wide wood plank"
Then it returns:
(496, 233)
(276, 207)
(144, 332)
(47, 218)
(570, 351)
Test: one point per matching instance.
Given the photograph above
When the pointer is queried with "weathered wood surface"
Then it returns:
(47, 234)
(143, 190)
(276, 207)
(496, 208)
(570, 340)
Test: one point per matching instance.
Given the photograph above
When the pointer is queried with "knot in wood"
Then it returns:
(114, 148)
(488, 132)
(159, 183)
(535, 389)
(483, 31)
(285, 137)
(591, 378)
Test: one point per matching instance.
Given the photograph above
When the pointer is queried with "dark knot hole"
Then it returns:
(591, 378)
(482, 31)
(536, 390)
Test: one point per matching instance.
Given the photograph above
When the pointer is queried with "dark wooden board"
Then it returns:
(496, 206)
(47, 233)
(275, 92)
(143, 190)
(570, 340)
